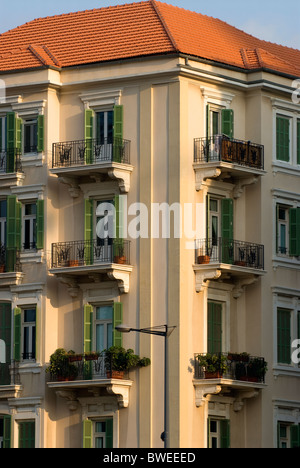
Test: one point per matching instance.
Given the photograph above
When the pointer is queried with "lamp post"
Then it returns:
(165, 331)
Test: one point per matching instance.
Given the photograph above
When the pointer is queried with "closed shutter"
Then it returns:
(214, 327)
(18, 225)
(7, 431)
(119, 241)
(283, 139)
(5, 335)
(284, 336)
(17, 333)
(227, 230)
(228, 122)
(109, 433)
(88, 339)
(295, 436)
(88, 135)
(298, 141)
(87, 434)
(13, 233)
(27, 434)
(225, 434)
(294, 217)
(117, 320)
(118, 134)
(208, 129)
(88, 230)
(19, 125)
(40, 224)
(40, 133)
(10, 141)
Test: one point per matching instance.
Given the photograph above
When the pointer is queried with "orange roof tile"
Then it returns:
(134, 30)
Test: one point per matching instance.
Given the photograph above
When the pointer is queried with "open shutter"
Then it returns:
(118, 133)
(88, 434)
(40, 133)
(7, 431)
(294, 216)
(88, 339)
(88, 135)
(208, 129)
(109, 433)
(40, 224)
(10, 141)
(88, 230)
(17, 333)
(227, 230)
(18, 225)
(225, 434)
(228, 122)
(19, 124)
(5, 335)
(11, 232)
(119, 241)
(117, 320)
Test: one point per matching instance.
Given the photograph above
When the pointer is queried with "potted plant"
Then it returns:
(239, 357)
(91, 355)
(214, 365)
(74, 357)
(118, 360)
(60, 367)
(119, 256)
(257, 369)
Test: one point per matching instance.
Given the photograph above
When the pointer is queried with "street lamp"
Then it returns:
(165, 331)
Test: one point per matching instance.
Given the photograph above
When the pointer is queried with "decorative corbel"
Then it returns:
(122, 175)
(242, 396)
(201, 174)
(71, 283)
(204, 275)
(74, 189)
(121, 392)
(241, 284)
(71, 398)
(122, 278)
(201, 391)
(239, 188)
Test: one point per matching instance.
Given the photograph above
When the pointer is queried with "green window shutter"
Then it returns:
(282, 139)
(118, 122)
(117, 320)
(7, 431)
(19, 124)
(18, 225)
(11, 130)
(295, 436)
(298, 141)
(37, 336)
(294, 217)
(284, 336)
(88, 434)
(214, 327)
(40, 133)
(88, 230)
(208, 129)
(27, 434)
(40, 224)
(109, 433)
(227, 230)
(11, 221)
(228, 122)
(88, 135)
(119, 241)
(88, 329)
(17, 333)
(225, 434)
(5, 335)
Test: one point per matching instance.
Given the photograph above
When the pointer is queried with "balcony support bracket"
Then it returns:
(201, 174)
(122, 393)
(202, 276)
(122, 277)
(201, 392)
(240, 285)
(74, 189)
(73, 288)
(71, 398)
(240, 186)
(241, 397)
(122, 175)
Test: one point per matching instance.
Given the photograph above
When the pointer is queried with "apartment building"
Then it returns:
(147, 107)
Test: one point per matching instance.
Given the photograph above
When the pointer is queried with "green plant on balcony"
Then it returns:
(91, 355)
(214, 365)
(60, 367)
(118, 360)
(257, 369)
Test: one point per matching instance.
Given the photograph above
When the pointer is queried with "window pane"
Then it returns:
(104, 313)
(100, 426)
(100, 345)
(99, 442)
(29, 315)
(109, 335)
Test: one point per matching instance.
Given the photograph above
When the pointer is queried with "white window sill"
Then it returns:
(32, 159)
(26, 367)
(32, 256)
(292, 370)
(286, 168)
(286, 261)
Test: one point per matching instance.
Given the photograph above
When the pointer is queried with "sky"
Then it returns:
(272, 20)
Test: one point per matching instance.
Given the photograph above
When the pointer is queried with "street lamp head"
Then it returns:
(123, 328)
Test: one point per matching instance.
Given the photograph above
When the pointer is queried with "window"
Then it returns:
(27, 434)
(5, 335)
(29, 334)
(98, 434)
(288, 230)
(298, 141)
(288, 435)
(3, 215)
(5, 431)
(218, 433)
(30, 129)
(219, 121)
(2, 144)
(103, 327)
(214, 327)
(284, 336)
(283, 138)
(30, 226)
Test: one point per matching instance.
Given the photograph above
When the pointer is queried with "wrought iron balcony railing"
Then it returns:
(82, 367)
(84, 253)
(222, 148)
(229, 251)
(91, 151)
(9, 373)
(9, 260)
(233, 366)
(10, 161)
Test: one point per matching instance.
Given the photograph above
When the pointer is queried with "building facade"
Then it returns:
(166, 132)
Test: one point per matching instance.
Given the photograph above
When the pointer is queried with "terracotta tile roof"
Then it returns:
(135, 30)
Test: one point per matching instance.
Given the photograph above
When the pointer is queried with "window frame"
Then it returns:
(32, 337)
(32, 123)
(104, 322)
(286, 110)
(32, 218)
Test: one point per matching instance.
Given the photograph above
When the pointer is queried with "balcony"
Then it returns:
(233, 260)
(81, 373)
(238, 375)
(224, 158)
(85, 261)
(11, 172)
(10, 267)
(74, 160)
(9, 380)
